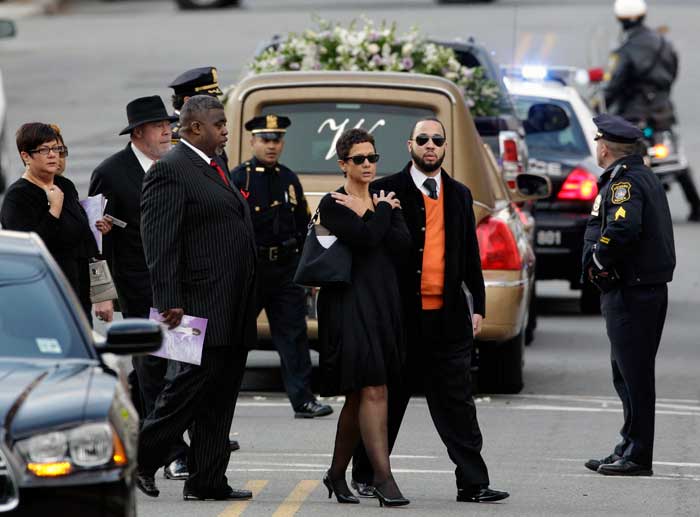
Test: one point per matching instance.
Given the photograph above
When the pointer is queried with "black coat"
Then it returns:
(68, 238)
(119, 178)
(630, 228)
(462, 261)
(642, 72)
(199, 245)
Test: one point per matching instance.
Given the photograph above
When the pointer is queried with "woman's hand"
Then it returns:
(55, 198)
(104, 226)
(387, 198)
(104, 311)
(349, 201)
(477, 320)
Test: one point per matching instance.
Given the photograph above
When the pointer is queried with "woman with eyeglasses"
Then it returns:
(46, 203)
(360, 330)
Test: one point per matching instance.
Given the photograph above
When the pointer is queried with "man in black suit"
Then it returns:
(200, 250)
(119, 179)
(436, 280)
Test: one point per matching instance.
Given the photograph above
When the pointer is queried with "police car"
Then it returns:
(567, 157)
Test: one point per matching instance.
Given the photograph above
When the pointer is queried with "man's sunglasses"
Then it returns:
(61, 150)
(359, 159)
(421, 140)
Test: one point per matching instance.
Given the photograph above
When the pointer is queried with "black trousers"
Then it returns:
(148, 378)
(442, 369)
(685, 180)
(201, 399)
(634, 318)
(285, 306)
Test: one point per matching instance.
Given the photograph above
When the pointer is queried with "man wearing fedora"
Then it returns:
(119, 179)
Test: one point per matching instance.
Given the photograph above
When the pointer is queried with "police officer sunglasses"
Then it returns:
(359, 159)
(422, 139)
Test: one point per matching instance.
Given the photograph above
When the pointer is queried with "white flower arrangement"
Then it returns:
(377, 48)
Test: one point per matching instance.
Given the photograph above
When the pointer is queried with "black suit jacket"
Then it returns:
(462, 260)
(119, 178)
(200, 247)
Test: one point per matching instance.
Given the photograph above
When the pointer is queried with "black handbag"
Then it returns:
(325, 261)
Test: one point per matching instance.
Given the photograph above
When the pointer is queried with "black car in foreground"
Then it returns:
(68, 430)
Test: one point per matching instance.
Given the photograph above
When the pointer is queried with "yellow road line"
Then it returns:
(550, 40)
(522, 48)
(237, 508)
(291, 505)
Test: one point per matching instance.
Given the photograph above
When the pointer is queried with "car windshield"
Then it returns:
(35, 320)
(316, 127)
(569, 143)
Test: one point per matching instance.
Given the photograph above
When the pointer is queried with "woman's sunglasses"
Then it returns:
(421, 140)
(359, 159)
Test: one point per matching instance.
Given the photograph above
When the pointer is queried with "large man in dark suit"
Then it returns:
(119, 179)
(435, 280)
(200, 251)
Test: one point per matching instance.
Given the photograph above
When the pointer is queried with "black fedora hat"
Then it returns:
(146, 109)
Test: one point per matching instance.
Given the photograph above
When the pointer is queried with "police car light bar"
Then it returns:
(567, 75)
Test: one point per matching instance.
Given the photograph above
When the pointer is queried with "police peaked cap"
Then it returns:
(616, 129)
(198, 81)
(270, 123)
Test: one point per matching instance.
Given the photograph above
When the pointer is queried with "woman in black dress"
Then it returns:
(360, 331)
(43, 202)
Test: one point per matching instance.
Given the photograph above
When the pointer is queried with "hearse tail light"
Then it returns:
(580, 185)
(596, 75)
(497, 247)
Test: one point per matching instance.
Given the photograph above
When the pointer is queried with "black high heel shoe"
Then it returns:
(340, 487)
(389, 494)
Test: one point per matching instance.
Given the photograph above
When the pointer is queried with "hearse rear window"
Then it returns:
(316, 127)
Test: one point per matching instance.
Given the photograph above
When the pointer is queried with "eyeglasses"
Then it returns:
(422, 139)
(61, 150)
(359, 159)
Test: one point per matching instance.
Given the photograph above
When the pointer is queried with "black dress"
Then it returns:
(360, 332)
(68, 238)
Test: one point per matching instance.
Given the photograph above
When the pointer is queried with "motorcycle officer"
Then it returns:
(640, 75)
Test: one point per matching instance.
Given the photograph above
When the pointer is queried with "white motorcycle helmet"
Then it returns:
(630, 9)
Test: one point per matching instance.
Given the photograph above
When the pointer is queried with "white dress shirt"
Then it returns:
(144, 160)
(198, 151)
(419, 178)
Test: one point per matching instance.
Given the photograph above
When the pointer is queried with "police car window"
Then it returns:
(34, 318)
(567, 143)
(316, 126)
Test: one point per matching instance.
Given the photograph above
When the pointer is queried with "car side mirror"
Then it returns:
(545, 117)
(132, 336)
(529, 187)
(7, 29)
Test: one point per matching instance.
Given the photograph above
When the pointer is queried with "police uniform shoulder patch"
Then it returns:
(621, 192)
(596, 206)
(292, 195)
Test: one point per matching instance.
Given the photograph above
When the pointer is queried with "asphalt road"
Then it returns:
(81, 68)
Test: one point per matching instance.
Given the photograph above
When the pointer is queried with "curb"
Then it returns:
(16, 9)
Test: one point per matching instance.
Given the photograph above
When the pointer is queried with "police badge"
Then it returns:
(621, 192)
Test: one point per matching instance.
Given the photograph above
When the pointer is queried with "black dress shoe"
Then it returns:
(147, 485)
(227, 494)
(482, 495)
(594, 464)
(389, 494)
(625, 467)
(312, 409)
(233, 444)
(362, 489)
(177, 470)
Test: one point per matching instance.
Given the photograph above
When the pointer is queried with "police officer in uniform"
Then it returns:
(639, 80)
(280, 217)
(629, 254)
(197, 81)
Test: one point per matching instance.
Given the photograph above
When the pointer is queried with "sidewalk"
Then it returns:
(15, 9)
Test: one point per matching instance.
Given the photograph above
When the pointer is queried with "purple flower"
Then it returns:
(280, 60)
(407, 63)
(373, 36)
(294, 66)
(377, 60)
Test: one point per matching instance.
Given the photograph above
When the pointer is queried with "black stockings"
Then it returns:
(363, 415)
